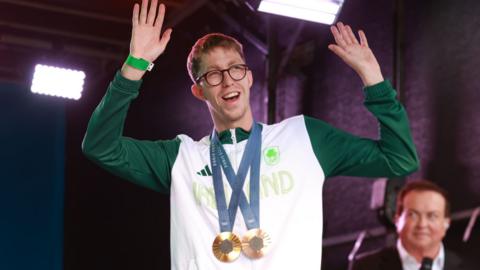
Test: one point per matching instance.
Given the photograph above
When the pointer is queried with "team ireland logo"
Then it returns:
(271, 155)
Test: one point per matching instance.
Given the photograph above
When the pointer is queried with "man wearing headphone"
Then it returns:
(422, 219)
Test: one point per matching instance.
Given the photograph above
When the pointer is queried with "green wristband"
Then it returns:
(139, 63)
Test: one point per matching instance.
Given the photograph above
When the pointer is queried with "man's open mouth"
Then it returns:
(231, 96)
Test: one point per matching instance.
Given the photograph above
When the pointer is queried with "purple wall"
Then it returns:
(442, 94)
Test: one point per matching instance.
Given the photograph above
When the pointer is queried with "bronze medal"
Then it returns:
(255, 243)
(226, 247)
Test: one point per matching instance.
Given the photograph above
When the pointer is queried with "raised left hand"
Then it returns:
(356, 54)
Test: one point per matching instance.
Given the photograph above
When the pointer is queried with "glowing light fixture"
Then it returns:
(320, 11)
(60, 82)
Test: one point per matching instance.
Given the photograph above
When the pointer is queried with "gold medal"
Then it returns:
(255, 243)
(226, 247)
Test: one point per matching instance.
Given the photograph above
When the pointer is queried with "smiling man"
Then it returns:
(249, 195)
(422, 219)
(223, 81)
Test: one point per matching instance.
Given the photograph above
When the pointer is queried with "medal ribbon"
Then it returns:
(251, 158)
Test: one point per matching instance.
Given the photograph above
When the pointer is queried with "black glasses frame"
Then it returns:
(222, 71)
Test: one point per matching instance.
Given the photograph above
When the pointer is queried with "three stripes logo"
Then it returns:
(205, 171)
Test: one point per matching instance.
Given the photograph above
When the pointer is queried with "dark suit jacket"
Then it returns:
(389, 259)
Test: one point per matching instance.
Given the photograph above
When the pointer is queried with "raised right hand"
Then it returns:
(357, 55)
(147, 41)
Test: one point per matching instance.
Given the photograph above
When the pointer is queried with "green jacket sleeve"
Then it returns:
(147, 163)
(394, 154)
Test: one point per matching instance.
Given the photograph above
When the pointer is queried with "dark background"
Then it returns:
(107, 223)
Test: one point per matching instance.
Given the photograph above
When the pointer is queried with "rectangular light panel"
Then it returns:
(320, 11)
(59, 82)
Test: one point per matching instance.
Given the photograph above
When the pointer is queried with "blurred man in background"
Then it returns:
(422, 219)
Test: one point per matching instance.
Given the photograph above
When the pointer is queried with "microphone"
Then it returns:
(427, 264)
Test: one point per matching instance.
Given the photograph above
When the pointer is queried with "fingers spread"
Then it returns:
(351, 34)
(344, 33)
(161, 15)
(338, 50)
(136, 7)
(363, 38)
(165, 37)
(337, 36)
(143, 12)
(152, 12)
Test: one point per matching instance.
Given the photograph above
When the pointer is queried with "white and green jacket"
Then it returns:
(297, 155)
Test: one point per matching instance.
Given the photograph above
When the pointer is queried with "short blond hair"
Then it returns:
(206, 44)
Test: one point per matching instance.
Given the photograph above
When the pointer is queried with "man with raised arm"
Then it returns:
(223, 216)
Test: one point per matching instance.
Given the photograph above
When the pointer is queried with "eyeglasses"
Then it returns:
(215, 77)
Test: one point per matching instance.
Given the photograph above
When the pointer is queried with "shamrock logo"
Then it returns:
(271, 155)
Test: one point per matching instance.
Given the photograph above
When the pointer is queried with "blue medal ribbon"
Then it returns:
(250, 159)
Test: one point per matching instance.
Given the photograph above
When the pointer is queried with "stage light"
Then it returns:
(60, 82)
(320, 11)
